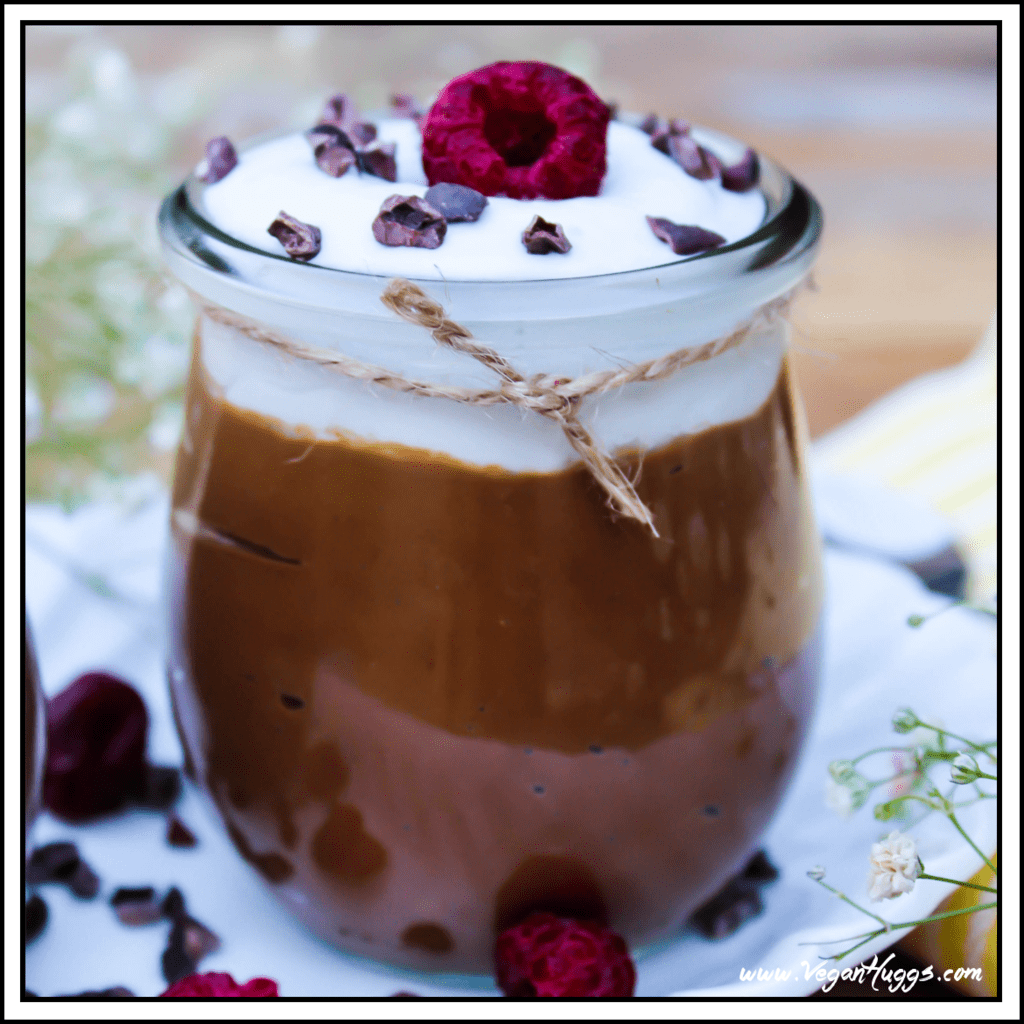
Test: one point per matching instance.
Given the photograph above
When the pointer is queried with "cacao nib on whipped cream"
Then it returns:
(609, 231)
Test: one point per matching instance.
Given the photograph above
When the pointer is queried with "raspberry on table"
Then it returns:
(549, 956)
(522, 129)
(96, 747)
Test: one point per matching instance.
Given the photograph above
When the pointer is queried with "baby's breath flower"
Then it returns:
(964, 770)
(839, 798)
(841, 770)
(905, 721)
(894, 866)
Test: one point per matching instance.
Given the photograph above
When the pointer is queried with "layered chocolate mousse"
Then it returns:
(431, 682)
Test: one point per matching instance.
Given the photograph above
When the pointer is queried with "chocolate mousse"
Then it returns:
(430, 698)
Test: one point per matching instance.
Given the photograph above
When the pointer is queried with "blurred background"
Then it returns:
(892, 127)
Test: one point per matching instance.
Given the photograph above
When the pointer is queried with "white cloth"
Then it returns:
(874, 664)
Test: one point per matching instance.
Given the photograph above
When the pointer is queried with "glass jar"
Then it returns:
(430, 681)
(35, 735)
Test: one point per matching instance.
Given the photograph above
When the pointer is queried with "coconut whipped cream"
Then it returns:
(609, 232)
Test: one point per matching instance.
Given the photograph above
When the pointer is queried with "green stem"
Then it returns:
(973, 845)
(948, 913)
(846, 899)
(868, 936)
(969, 885)
(963, 739)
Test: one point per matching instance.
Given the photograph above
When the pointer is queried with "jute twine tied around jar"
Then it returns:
(555, 397)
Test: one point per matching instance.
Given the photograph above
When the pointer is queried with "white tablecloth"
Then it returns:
(874, 664)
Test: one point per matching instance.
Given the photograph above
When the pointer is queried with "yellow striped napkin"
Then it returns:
(935, 439)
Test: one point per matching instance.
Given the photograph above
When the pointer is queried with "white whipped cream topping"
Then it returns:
(609, 233)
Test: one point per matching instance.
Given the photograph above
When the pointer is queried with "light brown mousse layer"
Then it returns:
(429, 698)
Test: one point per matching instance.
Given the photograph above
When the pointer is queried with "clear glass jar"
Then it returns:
(430, 682)
(35, 735)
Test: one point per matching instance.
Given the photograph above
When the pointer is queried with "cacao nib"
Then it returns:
(760, 869)
(362, 132)
(695, 160)
(743, 176)
(378, 160)
(409, 220)
(456, 202)
(161, 787)
(221, 159)
(84, 882)
(36, 915)
(173, 904)
(341, 112)
(117, 992)
(334, 159)
(54, 862)
(189, 942)
(135, 907)
(651, 123)
(725, 912)
(684, 239)
(737, 901)
(301, 241)
(543, 237)
(179, 834)
(328, 133)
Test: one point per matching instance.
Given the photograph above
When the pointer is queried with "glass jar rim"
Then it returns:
(791, 225)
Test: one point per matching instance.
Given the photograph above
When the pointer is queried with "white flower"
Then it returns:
(894, 867)
(839, 798)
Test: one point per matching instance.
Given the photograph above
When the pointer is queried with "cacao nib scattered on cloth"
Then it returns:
(135, 907)
(378, 160)
(173, 904)
(179, 834)
(84, 882)
(542, 237)
(96, 747)
(54, 862)
(743, 176)
(60, 862)
(220, 984)
(161, 787)
(684, 239)
(456, 202)
(188, 943)
(221, 159)
(117, 992)
(36, 916)
(409, 220)
(301, 241)
(737, 901)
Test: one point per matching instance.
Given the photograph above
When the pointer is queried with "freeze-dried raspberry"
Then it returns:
(547, 955)
(96, 747)
(220, 984)
(521, 129)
